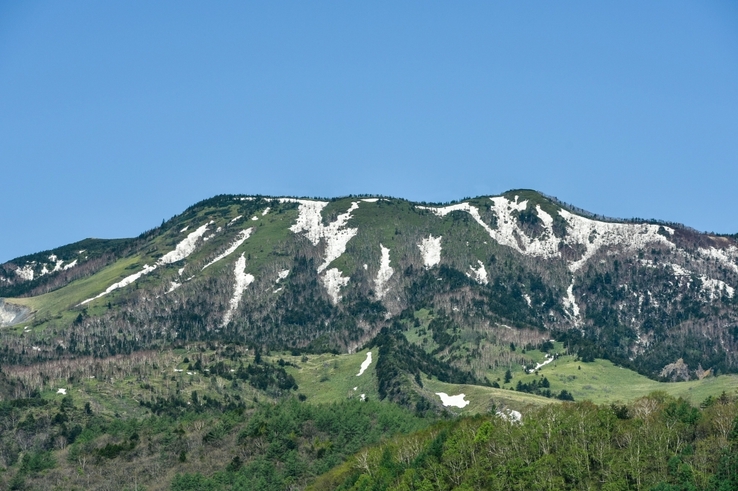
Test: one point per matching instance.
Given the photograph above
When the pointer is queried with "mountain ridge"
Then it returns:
(291, 272)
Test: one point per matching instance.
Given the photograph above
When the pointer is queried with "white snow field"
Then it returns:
(333, 282)
(510, 415)
(591, 234)
(384, 274)
(570, 303)
(711, 288)
(124, 282)
(336, 236)
(480, 274)
(549, 359)
(240, 239)
(430, 249)
(727, 257)
(243, 280)
(173, 287)
(26, 272)
(181, 251)
(184, 248)
(455, 401)
(365, 364)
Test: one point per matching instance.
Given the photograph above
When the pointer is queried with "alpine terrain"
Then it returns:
(245, 331)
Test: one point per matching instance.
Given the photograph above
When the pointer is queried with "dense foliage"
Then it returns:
(658, 443)
(47, 445)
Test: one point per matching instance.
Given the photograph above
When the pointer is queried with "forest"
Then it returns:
(656, 443)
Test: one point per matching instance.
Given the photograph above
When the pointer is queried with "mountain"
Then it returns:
(462, 281)
(279, 343)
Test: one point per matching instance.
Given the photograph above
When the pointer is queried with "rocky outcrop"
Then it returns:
(11, 314)
(676, 371)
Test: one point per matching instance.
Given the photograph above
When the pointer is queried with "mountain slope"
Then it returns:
(463, 282)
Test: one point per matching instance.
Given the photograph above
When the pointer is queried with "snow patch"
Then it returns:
(455, 401)
(62, 391)
(570, 303)
(713, 288)
(235, 219)
(510, 415)
(184, 229)
(184, 248)
(263, 213)
(26, 272)
(335, 234)
(254, 218)
(384, 274)
(282, 275)
(240, 239)
(549, 359)
(243, 280)
(333, 282)
(591, 234)
(370, 200)
(365, 364)
(430, 249)
(173, 287)
(70, 265)
(479, 275)
(726, 256)
(124, 282)
(527, 299)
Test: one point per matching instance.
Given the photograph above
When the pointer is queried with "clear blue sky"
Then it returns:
(115, 115)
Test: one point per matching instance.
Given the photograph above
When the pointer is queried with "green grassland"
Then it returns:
(55, 303)
(603, 382)
(483, 399)
(328, 377)
(261, 249)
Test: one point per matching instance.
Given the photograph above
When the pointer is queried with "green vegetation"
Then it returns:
(264, 446)
(656, 443)
(162, 394)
